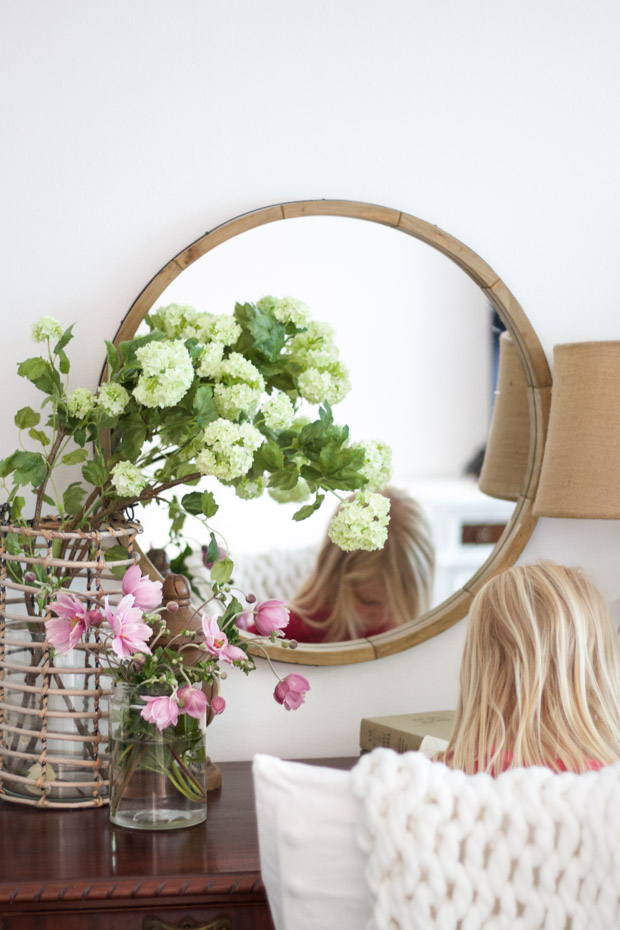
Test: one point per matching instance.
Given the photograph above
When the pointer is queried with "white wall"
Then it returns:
(132, 126)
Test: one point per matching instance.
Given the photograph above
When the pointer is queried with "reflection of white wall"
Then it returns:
(131, 128)
(412, 328)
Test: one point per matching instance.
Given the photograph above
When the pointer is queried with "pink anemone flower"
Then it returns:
(70, 623)
(162, 711)
(130, 633)
(217, 643)
(147, 593)
(192, 701)
(291, 691)
(271, 615)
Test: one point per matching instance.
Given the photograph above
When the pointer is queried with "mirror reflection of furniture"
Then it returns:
(580, 468)
(530, 353)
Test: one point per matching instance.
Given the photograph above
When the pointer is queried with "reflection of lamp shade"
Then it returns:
(580, 472)
(505, 462)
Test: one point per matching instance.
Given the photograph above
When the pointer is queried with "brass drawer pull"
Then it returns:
(187, 923)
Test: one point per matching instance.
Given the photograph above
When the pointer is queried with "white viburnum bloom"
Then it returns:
(230, 449)
(80, 403)
(291, 310)
(331, 384)
(361, 523)
(211, 360)
(278, 411)
(377, 467)
(113, 398)
(250, 488)
(46, 328)
(231, 400)
(296, 495)
(127, 479)
(180, 321)
(225, 329)
(167, 374)
(314, 348)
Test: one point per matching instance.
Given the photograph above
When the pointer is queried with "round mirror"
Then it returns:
(418, 333)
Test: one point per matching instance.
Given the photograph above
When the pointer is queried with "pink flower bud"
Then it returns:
(29, 577)
(291, 691)
(293, 644)
(271, 615)
(172, 606)
(218, 704)
(250, 598)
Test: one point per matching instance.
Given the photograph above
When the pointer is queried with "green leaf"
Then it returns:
(17, 507)
(204, 406)
(269, 336)
(208, 504)
(95, 473)
(304, 512)
(285, 480)
(6, 466)
(63, 363)
(41, 373)
(49, 500)
(116, 554)
(114, 359)
(269, 457)
(12, 544)
(222, 571)
(29, 468)
(178, 564)
(213, 550)
(27, 417)
(132, 432)
(72, 498)
(192, 502)
(39, 436)
(65, 339)
(75, 457)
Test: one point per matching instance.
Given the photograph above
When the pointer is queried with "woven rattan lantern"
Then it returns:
(505, 465)
(582, 455)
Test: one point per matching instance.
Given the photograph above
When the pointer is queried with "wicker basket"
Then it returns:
(53, 708)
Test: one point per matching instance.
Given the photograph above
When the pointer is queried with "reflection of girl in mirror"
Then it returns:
(356, 594)
(539, 676)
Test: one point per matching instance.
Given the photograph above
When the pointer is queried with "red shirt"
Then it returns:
(304, 633)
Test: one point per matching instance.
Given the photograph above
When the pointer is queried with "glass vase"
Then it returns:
(158, 778)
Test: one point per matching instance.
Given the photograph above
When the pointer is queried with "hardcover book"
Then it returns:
(405, 732)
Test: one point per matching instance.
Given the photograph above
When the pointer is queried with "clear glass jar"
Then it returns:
(158, 778)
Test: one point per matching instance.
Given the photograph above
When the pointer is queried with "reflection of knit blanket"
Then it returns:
(275, 574)
(527, 850)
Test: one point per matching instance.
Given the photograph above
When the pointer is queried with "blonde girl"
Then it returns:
(539, 677)
(355, 594)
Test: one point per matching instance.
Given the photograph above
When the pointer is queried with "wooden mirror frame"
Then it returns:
(537, 374)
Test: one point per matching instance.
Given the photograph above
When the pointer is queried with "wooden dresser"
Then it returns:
(76, 871)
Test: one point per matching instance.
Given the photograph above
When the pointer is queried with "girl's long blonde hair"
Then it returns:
(405, 567)
(540, 675)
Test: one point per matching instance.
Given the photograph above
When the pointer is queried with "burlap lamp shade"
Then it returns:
(580, 473)
(505, 462)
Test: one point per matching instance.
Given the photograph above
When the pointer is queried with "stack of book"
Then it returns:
(405, 732)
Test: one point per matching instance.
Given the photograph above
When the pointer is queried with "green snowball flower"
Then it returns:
(112, 398)
(80, 403)
(377, 467)
(295, 495)
(278, 411)
(46, 328)
(127, 479)
(167, 375)
(361, 523)
(230, 449)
